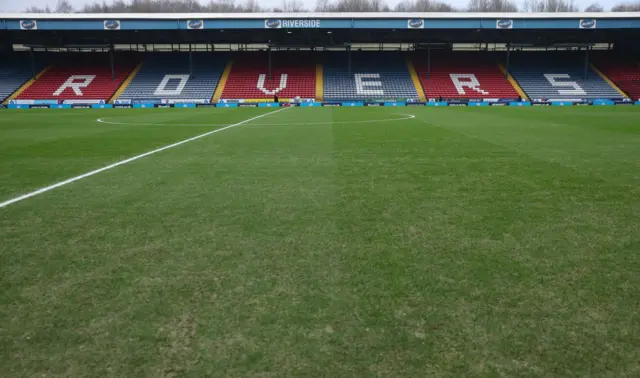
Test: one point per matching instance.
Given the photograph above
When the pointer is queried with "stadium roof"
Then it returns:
(319, 29)
(319, 15)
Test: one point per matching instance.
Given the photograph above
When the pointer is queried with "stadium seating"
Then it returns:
(166, 76)
(558, 75)
(292, 74)
(625, 74)
(13, 73)
(463, 75)
(78, 77)
(373, 76)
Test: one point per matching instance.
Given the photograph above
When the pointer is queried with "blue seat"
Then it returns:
(373, 76)
(13, 74)
(166, 76)
(559, 75)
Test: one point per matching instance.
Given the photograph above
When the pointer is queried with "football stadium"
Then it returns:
(320, 195)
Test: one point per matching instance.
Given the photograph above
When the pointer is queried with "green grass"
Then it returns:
(462, 242)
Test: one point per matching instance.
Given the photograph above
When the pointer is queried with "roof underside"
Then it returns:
(316, 38)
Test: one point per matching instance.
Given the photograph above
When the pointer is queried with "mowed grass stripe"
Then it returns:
(42, 147)
(125, 161)
(486, 233)
(586, 142)
(408, 248)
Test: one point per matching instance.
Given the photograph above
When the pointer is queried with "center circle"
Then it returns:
(108, 121)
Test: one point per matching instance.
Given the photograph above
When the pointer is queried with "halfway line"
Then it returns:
(129, 160)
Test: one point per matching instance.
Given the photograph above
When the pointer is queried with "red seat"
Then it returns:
(462, 75)
(291, 75)
(77, 81)
(625, 75)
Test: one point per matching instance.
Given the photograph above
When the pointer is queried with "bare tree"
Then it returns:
(423, 6)
(33, 9)
(145, 6)
(229, 6)
(63, 6)
(322, 6)
(292, 6)
(251, 6)
(381, 5)
(223, 6)
(117, 6)
(627, 7)
(492, 6)
(155, 6)
(595, 7)
(141, 6)
(352, 6)
(550, 6)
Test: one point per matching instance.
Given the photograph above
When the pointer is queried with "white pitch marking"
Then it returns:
(129, 160)
(406, 116)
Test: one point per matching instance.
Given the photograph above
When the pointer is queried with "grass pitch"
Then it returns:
(335, 242)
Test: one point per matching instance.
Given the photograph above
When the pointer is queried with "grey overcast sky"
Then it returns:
(20, 5)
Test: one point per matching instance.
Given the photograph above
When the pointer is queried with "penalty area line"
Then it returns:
(129, 160)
